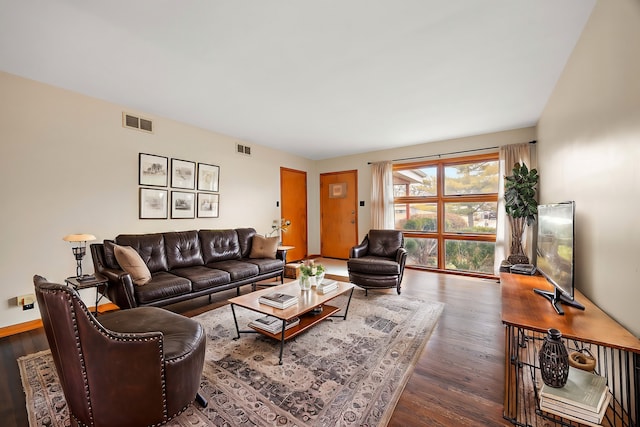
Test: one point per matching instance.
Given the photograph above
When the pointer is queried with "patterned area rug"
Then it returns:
(338, 373)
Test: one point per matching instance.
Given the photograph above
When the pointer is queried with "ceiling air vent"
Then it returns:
(243, 149)
(133, 122)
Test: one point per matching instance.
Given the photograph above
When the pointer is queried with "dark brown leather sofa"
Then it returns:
(184, 265)
(378, 261)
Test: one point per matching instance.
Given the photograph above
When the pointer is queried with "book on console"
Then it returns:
(278, 300)
(583, 389)
(273, 324)
(575, 413)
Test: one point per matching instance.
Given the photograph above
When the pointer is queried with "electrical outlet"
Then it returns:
(26, 301)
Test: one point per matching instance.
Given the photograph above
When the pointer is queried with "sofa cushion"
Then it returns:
(267, 265)
(150, 247)
(202, 277)
(239, 270)
(162, 285)
(219, 245)
(182, 249)
(131, 262)
(245, 235)
(264, 247)
(373, 265)
(385, 243)
(180, 334)
(110, 260)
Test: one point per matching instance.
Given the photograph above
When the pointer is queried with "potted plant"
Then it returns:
(521, 207)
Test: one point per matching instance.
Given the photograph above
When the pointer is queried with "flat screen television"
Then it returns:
(555, 252)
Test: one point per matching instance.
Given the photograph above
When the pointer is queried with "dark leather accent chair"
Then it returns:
(137, 367)
(378, 262)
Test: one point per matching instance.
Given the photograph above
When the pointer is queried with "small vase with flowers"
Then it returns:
(310, 274)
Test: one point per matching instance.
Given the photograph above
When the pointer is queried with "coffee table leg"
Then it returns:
(348, 303)
(235, 320)
(346, 310)
(284, 322)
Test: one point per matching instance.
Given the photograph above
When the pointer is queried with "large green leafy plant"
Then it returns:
(521, 207)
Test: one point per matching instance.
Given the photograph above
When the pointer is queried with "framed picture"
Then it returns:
(153, 170)
(183, 174)
(208, 205)
(182, 204)
(338, 191)
(208, 177)
(153, 203)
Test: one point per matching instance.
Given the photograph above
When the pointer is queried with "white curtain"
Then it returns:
(382, 195)
(509, 156)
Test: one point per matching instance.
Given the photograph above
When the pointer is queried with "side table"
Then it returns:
(97, 281)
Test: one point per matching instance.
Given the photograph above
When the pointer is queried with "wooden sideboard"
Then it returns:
(527, 317)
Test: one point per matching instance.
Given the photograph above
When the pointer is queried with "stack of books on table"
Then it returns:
(278, 300)
(327, 285)
(273, 324)
(585, 398)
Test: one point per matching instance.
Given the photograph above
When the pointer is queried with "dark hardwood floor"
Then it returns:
(458, 380)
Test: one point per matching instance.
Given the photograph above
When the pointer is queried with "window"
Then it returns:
(447, 210)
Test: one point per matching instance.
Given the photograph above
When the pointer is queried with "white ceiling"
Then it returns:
(317, 78)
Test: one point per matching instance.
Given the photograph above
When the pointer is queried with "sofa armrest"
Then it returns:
(123, 292)
(401, 256)
(360, 250)
(120, 288)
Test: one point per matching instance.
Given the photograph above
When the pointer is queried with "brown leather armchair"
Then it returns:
(135, 367)
(378, 262)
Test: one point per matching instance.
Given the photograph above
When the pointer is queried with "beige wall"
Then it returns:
(68, 166)
(589, 151)
(360, 162)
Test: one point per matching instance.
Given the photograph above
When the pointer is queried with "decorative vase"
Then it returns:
(319, 278)
(305, 282)
(554, 360)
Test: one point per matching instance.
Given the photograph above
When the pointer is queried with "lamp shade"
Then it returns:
(79, 238)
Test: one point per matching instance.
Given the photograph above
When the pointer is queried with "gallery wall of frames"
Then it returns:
(183, 188)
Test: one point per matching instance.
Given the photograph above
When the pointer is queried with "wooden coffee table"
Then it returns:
(308, 301)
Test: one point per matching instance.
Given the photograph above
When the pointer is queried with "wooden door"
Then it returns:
(338, 213)
(293, 194)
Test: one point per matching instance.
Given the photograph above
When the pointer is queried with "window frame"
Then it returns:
(440, 199)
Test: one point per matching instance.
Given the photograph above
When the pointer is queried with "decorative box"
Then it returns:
(292, 270)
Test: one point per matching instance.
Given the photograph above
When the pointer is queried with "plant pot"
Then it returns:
(518, 259)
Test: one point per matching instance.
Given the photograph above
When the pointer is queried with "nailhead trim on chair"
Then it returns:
(125, 338)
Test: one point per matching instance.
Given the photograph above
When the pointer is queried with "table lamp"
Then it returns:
(80, 248)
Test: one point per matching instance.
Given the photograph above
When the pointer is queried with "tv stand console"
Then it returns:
(556, 297)
(527, 317)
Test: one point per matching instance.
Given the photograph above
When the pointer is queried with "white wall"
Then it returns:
(360, 161)
(68, 166)
(589, 151)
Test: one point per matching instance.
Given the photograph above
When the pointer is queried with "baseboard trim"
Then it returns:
(37, 323)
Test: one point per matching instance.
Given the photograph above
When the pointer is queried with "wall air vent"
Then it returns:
(243, 149)
(134, 122)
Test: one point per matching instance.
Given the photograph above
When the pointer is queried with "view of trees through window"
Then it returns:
(448, 210)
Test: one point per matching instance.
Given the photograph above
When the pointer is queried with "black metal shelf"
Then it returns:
(620, 367)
